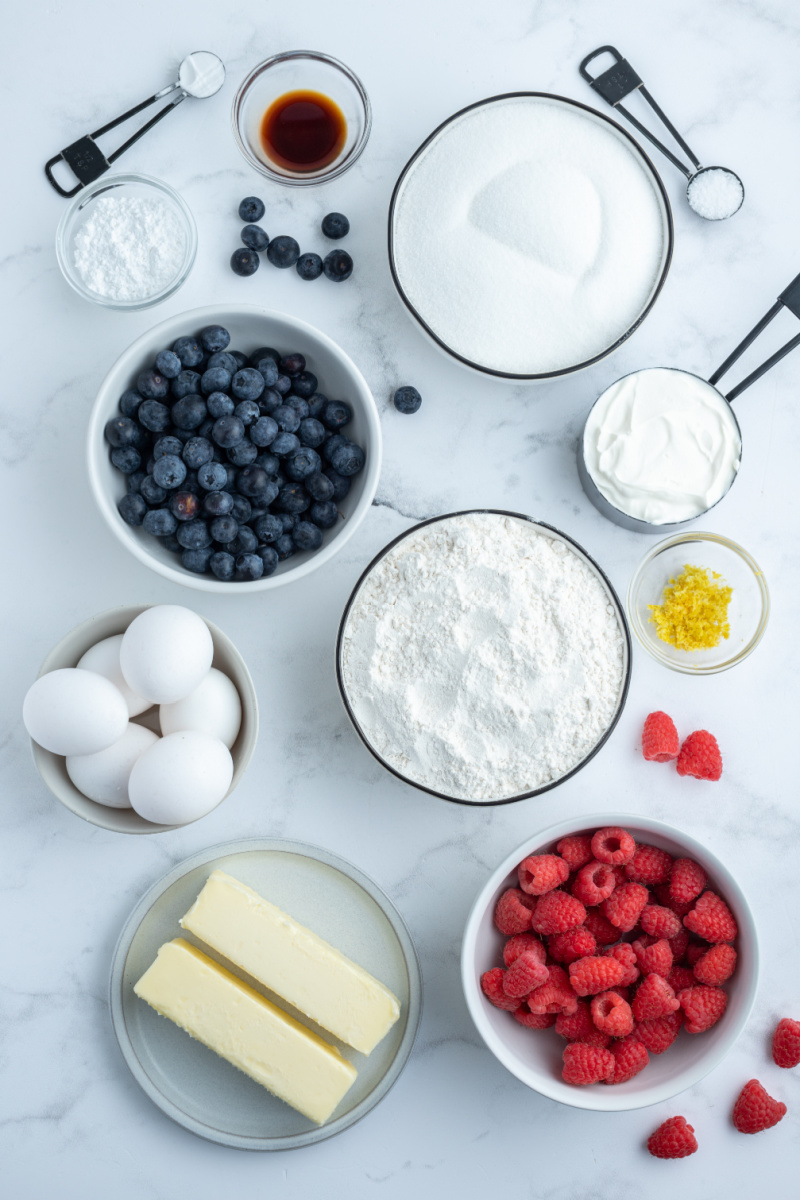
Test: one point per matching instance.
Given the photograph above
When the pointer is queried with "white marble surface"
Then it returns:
(74, 1122)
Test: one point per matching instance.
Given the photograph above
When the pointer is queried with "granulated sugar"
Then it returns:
(482, 658)
(715, 193)
(129, 248)
(528, 236)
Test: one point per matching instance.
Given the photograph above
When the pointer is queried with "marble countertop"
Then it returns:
(74, 1123)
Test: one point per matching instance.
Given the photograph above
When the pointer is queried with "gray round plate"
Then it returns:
(190, 1083)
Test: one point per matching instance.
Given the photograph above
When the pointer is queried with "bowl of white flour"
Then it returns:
(483, 657)
(529, 236)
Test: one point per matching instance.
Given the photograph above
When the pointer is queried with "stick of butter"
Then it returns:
(243, 1027)
(292, 961)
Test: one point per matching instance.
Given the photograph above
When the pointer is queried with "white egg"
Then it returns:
(166, 652)
(182, 777)
(214, 707)
(74, 712)
(103, 658)
(104, 776)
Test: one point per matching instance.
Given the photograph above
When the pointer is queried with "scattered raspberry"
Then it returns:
(703, 1006)
(786, 1043)
(534, 1020)
(540, 873)
(686, 881)
(660, 742)
(601, 929)
(700, 756)
(611, 1014)
(569, 946)
(613, 845)
(513, 911)
(654, 998)
(662, 895)
(587, 1064)
(711, 919)
(630, 1057)
(519, 944)
(624, 906)
(556, 912)
(524, 974)
(595, 974)
(717, 965)
(659, 922)
(649, 866)
(576, 850)
(673, 1139)
(755, 1109)
(594, 883)
(679, 944)
(555, 995)
(492, 988)
(625, 955)
(680, 978)
(659, 1033)
(653, 955)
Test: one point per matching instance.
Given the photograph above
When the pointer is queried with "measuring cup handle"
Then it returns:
(617, 82)
(789, 298)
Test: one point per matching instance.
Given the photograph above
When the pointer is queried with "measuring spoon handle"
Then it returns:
(789, 298)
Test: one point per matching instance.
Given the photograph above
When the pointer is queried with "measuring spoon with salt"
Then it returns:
(714, 193)
(201, 74)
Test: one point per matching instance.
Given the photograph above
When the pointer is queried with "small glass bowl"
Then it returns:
(291, 71)
(748, 610)
(80, 210)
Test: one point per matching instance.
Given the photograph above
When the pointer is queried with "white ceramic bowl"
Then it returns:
(535, 1055)
(71, 648)
(249, 327)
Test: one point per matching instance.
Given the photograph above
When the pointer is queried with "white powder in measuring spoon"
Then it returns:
(129, 248)
(715, 193)
(482, 658)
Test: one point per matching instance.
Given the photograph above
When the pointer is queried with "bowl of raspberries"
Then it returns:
(234, 449)
(610, 962)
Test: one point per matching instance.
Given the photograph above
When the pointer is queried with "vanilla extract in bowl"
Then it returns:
(303, 130)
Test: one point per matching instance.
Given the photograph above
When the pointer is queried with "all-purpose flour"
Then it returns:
(482, 658)
(129, 248)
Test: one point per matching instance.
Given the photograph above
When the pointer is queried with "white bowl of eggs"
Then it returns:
(142, 719)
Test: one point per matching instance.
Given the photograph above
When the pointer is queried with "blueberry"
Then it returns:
(212, 476)
(232, 473)
(407, 400)
(248, 412)
(169, 471)
(309, 266)
(239, 358)
(188, 351)
(227, 432)
(263, 352)
(160, 522)
(336, 414)
(341, 484)
(152, 492)
(255, 238)
(191, 483)
(152, 386)
(167, 445)
(348, 460)
(129, 403)
(219, 405)
(338, 266)
(263, 431)
(247, 384)
(222, 565)
(134, 482)
(282, 384)
(197, 561)
(245, 262)
(187, 383)
(252, 480)
(204, 431)
(306, 462)
(243, 453)
(171, 543)
(224, 359)
(245, 541)
(292, 364)
(270, 462)
(214, 338)
(283, 251)
(132, 509)
(242, 509)
(154, 415)
(188, 413)
(316, 404)
(197, 452)
(251, 209)
(184, 506)
(194, 535)
(269, 557)
(126, 459)
(217, 504)
(324, 513)
(288, 521)
(319, 487)
(285, 444)
(293, 498)
(268, 528)
(122, 431)
(268, 401)
(215, 380)
(284, 547)
(311, 433)
(330, 447)
(224, 529)
(299, 405)
(248, 567)
(335, 225)
(168, 364)
(267, 368)
(307, 536)
(286, 418)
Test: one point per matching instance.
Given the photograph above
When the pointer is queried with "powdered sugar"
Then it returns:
(482, 657)
(129, 248)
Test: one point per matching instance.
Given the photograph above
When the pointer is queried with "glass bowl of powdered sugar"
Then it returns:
(127, 242)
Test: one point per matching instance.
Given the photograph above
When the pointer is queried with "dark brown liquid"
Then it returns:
(303, 131)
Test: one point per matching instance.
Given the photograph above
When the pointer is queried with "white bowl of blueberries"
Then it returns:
(234, 448)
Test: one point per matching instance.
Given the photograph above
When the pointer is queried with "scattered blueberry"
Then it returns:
(249, 567)
(338, 266)
(407, 400)
(251, 209)
(197, 560)
(169, 472)
(167, 445)
(132, 508)
(245, 262)
(247, 384)
(168, 364)
(212, 476)
(324, 513)
(255, 238)
(126, 459)
(214, 338)
(188, 351)
(283, 251)
(335, 225)
(227, 432)
(160, 522)
(309, 266)
(307, 536)
(197, 452)
(336, 414)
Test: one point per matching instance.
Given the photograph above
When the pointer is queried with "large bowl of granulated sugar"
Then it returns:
(529, 236)
(483, 657)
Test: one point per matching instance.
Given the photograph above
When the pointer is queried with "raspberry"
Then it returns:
(654, 998)
(578, 1026)
(519, 944)
(630, 1057)
(492, 988)
(686, 881)
(594, 883)
(613, 845)
(711, 919)
(679, 944)
(595, 974)
(717, 965)
(662, 895)
(649, 866)
(660, 738)
(601, 929)
(624, 906)
(524, 974)
(611, 1014)
(540, 873)
(786, 1043)
(556, 912)
(576, 850)
(673, 1139)
(653, 956)
(755, 1109)
(659, 922)
(680, 978)
(555, 995)
(659, 1033)
(534, 1020)
(694, 952)
(513, 911)
(569, 946)
(700, 756)
(587, 1064)
(625, 955)
(703, 1006)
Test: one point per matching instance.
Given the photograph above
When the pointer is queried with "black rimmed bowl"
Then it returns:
(551, 532)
